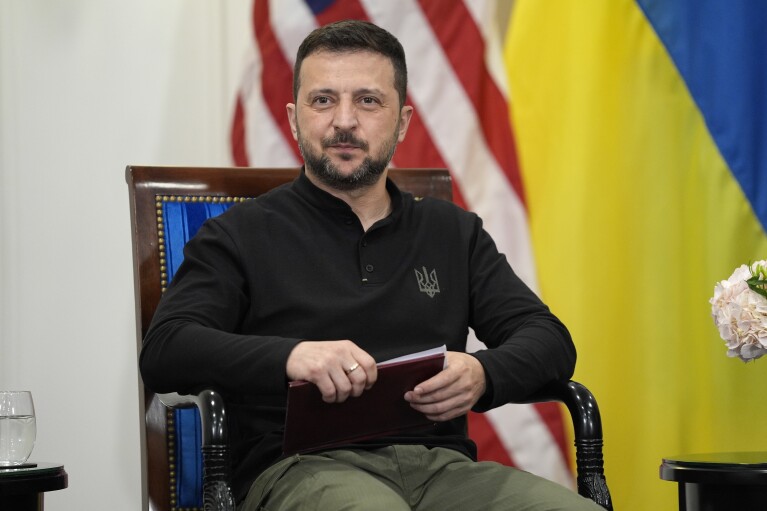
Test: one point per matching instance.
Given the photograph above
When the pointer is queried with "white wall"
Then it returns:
(86, 88)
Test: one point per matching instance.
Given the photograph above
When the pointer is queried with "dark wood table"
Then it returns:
(22, 489)
(719, 481)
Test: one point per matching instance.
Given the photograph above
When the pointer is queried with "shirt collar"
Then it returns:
(323, 200)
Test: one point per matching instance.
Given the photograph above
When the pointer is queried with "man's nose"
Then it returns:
(345, 115)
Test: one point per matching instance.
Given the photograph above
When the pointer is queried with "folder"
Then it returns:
(311, 424)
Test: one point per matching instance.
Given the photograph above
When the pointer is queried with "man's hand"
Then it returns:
(452, 392)
(338, 368)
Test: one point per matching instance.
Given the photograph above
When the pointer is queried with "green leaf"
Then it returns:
(758, 285)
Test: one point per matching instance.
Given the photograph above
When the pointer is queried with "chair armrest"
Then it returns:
(587, 429)
(217, 487)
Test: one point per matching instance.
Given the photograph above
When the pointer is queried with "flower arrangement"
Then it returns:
(739, 308)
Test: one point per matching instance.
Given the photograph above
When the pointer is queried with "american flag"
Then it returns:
(457, 84)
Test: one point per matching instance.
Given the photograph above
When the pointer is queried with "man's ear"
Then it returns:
(405, 114)
(291, 110)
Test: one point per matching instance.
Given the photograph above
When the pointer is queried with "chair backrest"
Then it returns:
(168, 205)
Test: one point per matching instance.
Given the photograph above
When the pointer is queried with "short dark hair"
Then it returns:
(354, 35)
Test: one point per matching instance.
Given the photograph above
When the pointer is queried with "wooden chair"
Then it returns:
(167, 206)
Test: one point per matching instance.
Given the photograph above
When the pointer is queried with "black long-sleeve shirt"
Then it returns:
(295, 264)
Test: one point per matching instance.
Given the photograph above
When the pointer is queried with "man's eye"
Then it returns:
(322, 100)
(368, 100)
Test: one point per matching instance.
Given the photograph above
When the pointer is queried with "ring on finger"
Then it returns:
(352, 368)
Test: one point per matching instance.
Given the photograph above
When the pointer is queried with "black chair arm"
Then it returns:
(587, 429)
(217, 489)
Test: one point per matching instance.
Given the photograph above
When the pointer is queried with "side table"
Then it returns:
(21, 489)
(719, 481)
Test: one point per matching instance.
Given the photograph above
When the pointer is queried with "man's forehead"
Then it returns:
(359, 57)
(376, 66)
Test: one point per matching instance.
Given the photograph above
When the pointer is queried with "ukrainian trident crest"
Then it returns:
(427, 282)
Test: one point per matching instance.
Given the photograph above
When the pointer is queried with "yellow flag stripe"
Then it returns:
(634, 216)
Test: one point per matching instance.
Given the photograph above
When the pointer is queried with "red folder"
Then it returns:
(312, 424)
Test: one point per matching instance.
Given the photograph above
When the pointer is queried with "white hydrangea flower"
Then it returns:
(740, 314)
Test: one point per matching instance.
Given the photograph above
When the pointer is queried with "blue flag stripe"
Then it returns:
(720, 50)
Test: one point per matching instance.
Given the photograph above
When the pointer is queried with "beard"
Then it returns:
(365, 175)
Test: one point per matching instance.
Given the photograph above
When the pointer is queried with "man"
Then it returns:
(318, 280)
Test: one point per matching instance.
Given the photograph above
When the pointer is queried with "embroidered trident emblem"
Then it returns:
(427, 282)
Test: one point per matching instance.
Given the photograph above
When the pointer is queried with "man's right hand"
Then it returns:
(338, 368)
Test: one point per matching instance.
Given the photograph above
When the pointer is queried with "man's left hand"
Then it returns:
(452, 392)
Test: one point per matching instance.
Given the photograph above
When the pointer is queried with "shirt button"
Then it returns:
(369, 268)
(364, 243)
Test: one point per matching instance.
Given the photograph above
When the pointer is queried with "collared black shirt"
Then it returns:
(295, 264)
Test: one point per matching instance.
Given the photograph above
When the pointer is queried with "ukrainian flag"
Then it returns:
(642, 133)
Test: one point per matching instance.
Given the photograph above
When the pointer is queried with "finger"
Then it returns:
(444, 410)
(442, 380)
(343, 386)
(367, 365)
(437, 396)
(358, 379)
(350, 368)
(327, 388)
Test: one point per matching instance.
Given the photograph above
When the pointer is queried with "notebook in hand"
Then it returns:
(312, 424)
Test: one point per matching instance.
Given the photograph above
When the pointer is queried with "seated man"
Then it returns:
(317, 280)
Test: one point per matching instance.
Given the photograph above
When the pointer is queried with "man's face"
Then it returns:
(347, 119)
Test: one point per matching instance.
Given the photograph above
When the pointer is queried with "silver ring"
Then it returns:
(352, 368)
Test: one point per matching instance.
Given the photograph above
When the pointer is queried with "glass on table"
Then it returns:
(17, 427)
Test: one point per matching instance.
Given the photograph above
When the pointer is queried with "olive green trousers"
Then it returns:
(404, 477)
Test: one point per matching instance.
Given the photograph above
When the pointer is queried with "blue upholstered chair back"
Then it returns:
(179, 219)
